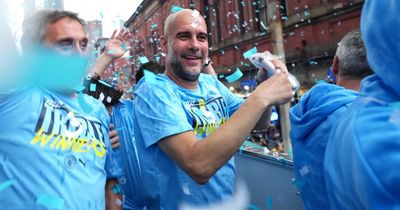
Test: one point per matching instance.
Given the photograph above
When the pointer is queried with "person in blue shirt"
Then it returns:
(364, 151)
(56, 153)
(188, 125)
(122, 119)
(317, 111)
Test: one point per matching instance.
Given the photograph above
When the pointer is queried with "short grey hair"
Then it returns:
(352, 56)
(34, 28)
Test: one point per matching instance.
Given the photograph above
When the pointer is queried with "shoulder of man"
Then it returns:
(155, 85)
(376, 148)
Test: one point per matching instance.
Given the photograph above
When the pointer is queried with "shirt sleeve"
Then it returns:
(159, 112)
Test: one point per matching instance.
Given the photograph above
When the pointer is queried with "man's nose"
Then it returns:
(194, 44)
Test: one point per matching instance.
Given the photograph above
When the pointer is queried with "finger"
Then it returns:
(114, 139)
(113, 133)
(116, 145)
(279, 65)
(120, 34)
(113, 34)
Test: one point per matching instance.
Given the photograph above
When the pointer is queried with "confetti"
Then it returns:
(250, 52)
(195, 13)
(253, 207)
(123, 46)
(105, 83)
(395, 117)
(117, 189)
(92, 87)
(304, 170)
(50, 201)
(6, 184)
(154, 26)
(108, 99)
(143, 59)
(175, 8)
(185, 189)
(194, 24)
(235, 76)
(298, 183)
(118, 202)
(101, 97)
(111, 51)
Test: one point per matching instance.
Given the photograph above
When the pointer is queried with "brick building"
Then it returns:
(311, 31)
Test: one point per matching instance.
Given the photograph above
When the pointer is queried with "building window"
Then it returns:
(261, 15)
(213, 21)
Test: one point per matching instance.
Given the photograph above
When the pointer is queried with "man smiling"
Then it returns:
(188, 125)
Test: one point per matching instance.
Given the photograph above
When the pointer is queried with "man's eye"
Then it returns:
(84, 45)
(203, 38)
(65, 45)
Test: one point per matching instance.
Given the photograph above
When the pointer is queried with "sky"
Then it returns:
(109, 11)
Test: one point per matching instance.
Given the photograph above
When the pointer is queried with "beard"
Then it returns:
(183, 73)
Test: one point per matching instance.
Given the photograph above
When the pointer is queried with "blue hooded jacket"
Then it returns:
(363, 153)
(311, 122)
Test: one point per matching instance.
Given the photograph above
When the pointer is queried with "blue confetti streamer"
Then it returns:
(50, 201)
(175, 8)
(105, 83)
(111, 51)
(123, 46)
(250, 52)
(253, 207)
(235, 76)
(6, 184)
(143, 60)
(92, 87)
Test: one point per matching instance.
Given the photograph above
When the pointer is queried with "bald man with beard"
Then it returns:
(188, 125)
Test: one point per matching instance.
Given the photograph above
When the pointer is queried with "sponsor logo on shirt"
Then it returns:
(208, 115)
(59, 128)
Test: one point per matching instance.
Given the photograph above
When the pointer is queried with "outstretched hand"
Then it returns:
(117, 45)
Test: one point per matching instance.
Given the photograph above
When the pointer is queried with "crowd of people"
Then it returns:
(68, 140)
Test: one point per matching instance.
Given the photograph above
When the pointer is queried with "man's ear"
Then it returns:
(335, 66)
(164, 44)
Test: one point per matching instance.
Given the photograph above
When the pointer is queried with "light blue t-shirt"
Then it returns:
(162, 109)
(122, 118)
(55, 155)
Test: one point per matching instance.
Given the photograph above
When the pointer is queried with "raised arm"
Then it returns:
(201, 159)
(116, 47)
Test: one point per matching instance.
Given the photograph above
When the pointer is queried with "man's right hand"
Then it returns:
(276, 89)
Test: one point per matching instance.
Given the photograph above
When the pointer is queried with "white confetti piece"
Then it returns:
(195, 13)
(304, 171)
(395, 117)
(185, 189)
(194, 24)
(118, 202)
